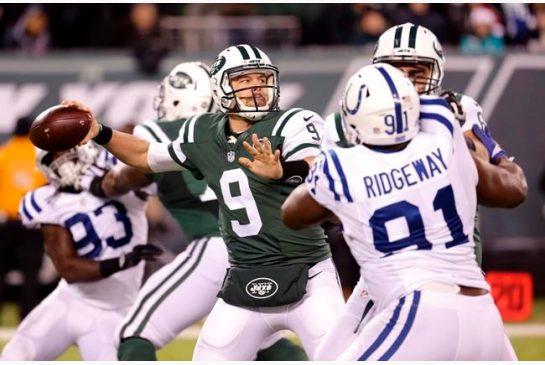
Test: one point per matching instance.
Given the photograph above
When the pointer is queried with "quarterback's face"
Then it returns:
(418, 73)
(252, 86)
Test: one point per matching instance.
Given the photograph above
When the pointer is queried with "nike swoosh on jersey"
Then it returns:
(306, 119)
(313, 276)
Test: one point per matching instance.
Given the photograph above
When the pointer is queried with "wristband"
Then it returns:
(294, 171)
(104, 135)
(110, 266)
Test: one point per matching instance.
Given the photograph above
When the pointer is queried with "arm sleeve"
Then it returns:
(165, 157)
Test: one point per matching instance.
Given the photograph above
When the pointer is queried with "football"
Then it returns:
(60, 128)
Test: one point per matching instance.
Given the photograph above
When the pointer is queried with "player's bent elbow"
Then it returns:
(70, 273)
(290, 218)
(70, 276)
(504, 193)
(518, 195)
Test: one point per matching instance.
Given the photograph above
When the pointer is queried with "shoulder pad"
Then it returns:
(35, 207)
(295, 116)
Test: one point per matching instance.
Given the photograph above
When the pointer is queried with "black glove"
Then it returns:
(95, 187)
(148, 252)
(455, 105)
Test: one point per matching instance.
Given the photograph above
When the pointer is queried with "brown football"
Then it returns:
(60, 128)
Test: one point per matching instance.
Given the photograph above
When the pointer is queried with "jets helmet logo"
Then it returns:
(261, 288)
(218, 64)
(180, 80)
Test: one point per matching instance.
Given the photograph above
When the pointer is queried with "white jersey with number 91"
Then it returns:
(408, 216)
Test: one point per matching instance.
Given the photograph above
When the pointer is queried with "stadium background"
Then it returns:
(112, 57)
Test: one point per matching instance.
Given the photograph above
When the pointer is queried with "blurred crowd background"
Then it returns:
(158, 28)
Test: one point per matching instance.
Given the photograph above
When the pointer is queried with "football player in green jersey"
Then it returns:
(183, 291)
(416, 51)
(278, 278)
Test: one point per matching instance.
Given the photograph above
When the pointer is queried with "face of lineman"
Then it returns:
(254, 94)
(418, 73)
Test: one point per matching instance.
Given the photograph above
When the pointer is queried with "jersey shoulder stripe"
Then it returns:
(280, 124)
(191, 130)
(154, 131)
(183, 130)
(34, 204)
(188, 129)
(340, 174)
(436, 109)
(339, 128)
(330, 180)
(300, 148)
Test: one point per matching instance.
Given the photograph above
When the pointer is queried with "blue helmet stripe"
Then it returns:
(397, 102)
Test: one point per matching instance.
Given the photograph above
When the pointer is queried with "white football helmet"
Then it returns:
(413, 44)
(184, 91)
(62, 169)
(380, 106)
(237, 60)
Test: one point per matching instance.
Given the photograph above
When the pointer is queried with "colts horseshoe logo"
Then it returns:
(354, 110)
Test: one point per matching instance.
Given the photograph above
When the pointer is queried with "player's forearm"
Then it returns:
(121, 181)
(77, 270)
(514, 181)
(500, 186)
(300, 210)
(131, 150)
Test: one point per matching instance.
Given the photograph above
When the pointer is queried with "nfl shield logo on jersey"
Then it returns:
(231, 156)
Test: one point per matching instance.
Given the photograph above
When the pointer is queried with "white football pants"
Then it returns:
(180, 294)
(62, 320)
(235, 333)
(433, 325)
(357, 312)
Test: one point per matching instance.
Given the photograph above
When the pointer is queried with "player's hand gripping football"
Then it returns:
(265, 163)
(95, 126)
